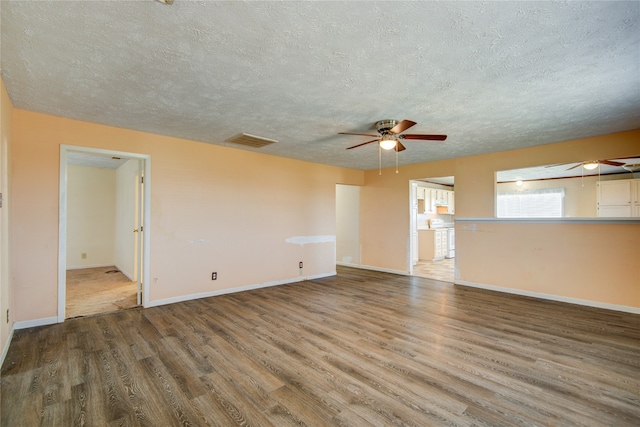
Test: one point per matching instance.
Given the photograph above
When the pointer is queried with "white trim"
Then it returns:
(81, 267)
(588, 303)
(35, 322)
(6, 347)
(146, 237)
(62, 221)
(565, 220)
(62, 235)
(369, 267)
(190, 297)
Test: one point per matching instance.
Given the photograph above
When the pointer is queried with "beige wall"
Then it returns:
(91, 216)
(248, 216)
(385, 224)
(6, 295)
(592, 262)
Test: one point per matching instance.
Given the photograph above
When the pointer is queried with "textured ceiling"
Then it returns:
(491, 75)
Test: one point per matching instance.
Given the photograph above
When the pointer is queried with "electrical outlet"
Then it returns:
(214, 275)
(300, 265)
(83, 255)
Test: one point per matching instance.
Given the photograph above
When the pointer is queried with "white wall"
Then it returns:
(91, 201)
(125, 238)
(347, 224)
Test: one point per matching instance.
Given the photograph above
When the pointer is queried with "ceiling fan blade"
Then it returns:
(364, 143)
(424, 137)
(399, 147)
(349, 133)
(573, 167)
(557, 164)
(610, 163)
(402, 126)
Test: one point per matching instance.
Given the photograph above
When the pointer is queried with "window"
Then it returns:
(543, 203)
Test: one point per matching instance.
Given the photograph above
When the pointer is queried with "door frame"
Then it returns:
(62, 221)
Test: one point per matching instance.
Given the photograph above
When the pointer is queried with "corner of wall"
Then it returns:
(6, 294)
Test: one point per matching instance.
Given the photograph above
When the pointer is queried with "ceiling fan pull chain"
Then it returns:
(396, 160)
(379, 160)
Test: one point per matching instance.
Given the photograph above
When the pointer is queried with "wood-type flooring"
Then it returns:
(98, 290)
(361, 348)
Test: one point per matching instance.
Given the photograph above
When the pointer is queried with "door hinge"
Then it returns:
(142, 180)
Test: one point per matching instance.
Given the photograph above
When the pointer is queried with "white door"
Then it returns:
(139, 229)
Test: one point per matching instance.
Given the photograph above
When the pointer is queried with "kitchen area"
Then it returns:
(433, 232)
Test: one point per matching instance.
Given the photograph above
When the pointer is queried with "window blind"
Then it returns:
(542, 203)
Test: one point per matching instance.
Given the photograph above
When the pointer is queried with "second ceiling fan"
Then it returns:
(390, 134)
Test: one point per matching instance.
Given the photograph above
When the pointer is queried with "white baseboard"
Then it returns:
(6, 347)
(369, 267)
(35, 322)
(235, 290)
(126, 273)
(81, 267)
(551, 297)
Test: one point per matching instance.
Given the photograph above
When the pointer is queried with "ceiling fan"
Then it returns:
(390, 134)
(589, 165)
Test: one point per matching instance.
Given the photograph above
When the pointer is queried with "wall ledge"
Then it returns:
(550, 220)
(551, 297)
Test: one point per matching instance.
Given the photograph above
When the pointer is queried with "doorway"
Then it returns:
(103, 231)
(432, 235)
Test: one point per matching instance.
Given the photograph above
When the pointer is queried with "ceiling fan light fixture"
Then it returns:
(590, 165)
(388, 142)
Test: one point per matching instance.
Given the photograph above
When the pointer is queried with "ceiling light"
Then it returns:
(631, 167)
(388, 142)
(590, 165)
(519, 183)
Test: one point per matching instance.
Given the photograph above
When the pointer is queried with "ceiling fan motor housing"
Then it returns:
(384, 126)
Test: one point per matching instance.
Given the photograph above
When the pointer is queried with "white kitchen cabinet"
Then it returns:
(441, 244)
(451, 203)
(635, 197)
(620, 198)
(420, 192)
(614, 211)
(429, 201)
(433, 244)
(441, 197)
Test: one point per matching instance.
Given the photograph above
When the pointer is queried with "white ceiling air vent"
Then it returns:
(250, 140)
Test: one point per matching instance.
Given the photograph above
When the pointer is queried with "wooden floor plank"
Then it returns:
(360, 348)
